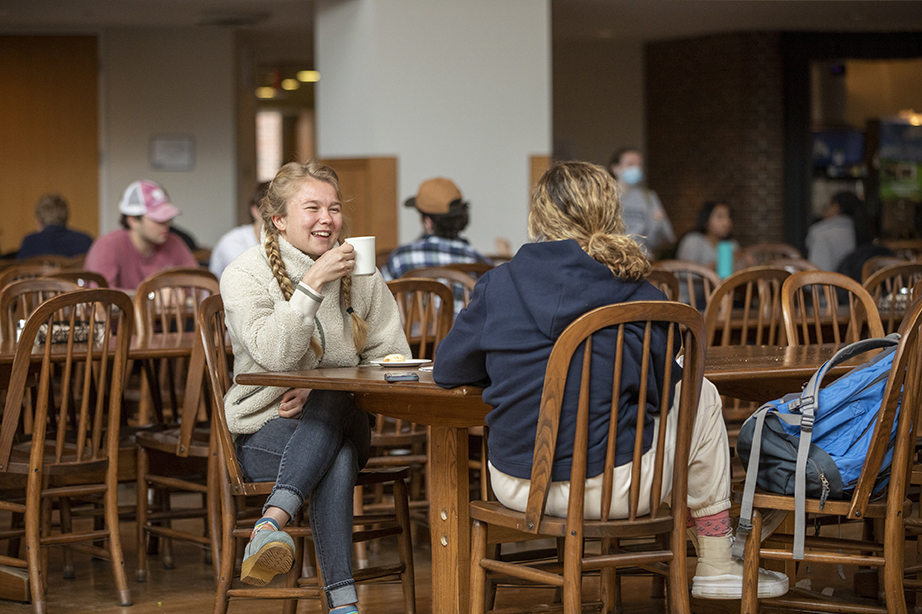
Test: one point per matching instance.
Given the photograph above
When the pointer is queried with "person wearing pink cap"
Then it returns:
(144, 245)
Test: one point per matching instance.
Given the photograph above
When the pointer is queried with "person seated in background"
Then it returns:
(144, 245)
(643, 213)
(443, 214)
(714, 224)
(581, 259)
(834, 237)
(53, 236)
(241, 238)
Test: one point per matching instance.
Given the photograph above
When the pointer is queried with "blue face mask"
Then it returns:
(632, 175)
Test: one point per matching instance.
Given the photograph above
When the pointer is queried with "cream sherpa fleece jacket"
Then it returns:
(269, 335)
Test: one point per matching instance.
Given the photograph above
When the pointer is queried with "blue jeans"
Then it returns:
(315, 457)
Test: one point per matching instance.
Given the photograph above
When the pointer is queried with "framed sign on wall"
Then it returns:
(172, 152)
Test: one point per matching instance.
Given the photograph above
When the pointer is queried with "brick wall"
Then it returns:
(715, 129)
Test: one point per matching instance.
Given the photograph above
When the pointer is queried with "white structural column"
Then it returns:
(459, 89)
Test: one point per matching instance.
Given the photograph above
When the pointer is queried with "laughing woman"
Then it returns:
(292, 303)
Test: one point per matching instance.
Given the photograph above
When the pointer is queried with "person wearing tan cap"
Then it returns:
(144, 245)
(443, 214)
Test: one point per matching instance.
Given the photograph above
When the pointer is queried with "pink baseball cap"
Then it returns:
(146, 197)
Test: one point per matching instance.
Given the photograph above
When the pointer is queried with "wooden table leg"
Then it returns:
(449, 520)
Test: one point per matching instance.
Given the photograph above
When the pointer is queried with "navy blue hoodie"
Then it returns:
(503, 340)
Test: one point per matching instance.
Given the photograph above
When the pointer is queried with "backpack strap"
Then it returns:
(807, 408)
(744, 528)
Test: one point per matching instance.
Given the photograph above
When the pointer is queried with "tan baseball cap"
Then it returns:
(435, 196)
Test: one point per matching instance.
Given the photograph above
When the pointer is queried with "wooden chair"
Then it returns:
(762, 253)
(423, 313)
(53, 260)
(815, 313)
(83, 278)
(792, 265)
(745, 309)
(234, 489)
(67, 459)
(665, 555)
(908, 249)
(25, 271)
(876, 263)
(890, 287)
(461, 283)
(19, 299)
(696, 281)
(894, 431)
(665, 281)
(175, 457)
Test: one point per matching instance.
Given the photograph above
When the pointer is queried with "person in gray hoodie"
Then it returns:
(291, 302)
(581, 259)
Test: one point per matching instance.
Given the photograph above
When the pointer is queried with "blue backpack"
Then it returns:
(813, 444)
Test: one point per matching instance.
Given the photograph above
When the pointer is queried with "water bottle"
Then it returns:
(724, 259)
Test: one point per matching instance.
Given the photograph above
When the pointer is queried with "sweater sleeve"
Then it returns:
(275, 335)
(460, 358)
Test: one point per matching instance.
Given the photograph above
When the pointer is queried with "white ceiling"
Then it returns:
(621, 19)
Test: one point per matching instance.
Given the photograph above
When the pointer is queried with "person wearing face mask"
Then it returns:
(643, 213)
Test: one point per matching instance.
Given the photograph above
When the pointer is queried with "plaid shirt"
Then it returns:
(431, 251)
(428, 251)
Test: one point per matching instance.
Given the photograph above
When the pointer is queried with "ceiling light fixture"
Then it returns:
(290, 84)
(308, 76)
(265, 93)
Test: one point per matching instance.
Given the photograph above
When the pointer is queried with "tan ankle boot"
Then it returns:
(719, 576)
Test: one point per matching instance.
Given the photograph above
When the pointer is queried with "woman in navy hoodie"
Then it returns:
(580, 259)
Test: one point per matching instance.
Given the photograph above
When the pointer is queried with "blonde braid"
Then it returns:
(279, 270)
(359, 326)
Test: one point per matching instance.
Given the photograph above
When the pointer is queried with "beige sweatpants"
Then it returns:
(708, 470)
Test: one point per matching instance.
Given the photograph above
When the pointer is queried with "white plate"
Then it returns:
(412, 362)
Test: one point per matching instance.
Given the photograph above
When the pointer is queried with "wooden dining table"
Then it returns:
(751, 372)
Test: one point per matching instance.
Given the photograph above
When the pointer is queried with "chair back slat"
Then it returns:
(814, 313)
(645, 319)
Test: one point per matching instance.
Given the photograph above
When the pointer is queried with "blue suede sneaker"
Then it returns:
(268, 553)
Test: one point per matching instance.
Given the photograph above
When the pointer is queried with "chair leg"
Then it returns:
(360, 548)
(33, 554)
(225, 574)
(894, 553)
(167, 542)
(489, 591)
(572, 574)
(607, 581)
(142, 511)
(115, 540)
(67, 527)
(677, 585)
(478, 573)
(290, 606)
(405, 546)
(750, 599)
(213, 504)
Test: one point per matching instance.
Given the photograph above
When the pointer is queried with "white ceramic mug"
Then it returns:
(364, 255)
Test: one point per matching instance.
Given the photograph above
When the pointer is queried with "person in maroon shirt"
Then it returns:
(144, 245)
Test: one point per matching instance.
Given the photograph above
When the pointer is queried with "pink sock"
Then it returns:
(715, 525)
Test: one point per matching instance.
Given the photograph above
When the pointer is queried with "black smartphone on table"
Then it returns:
(401, 377)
